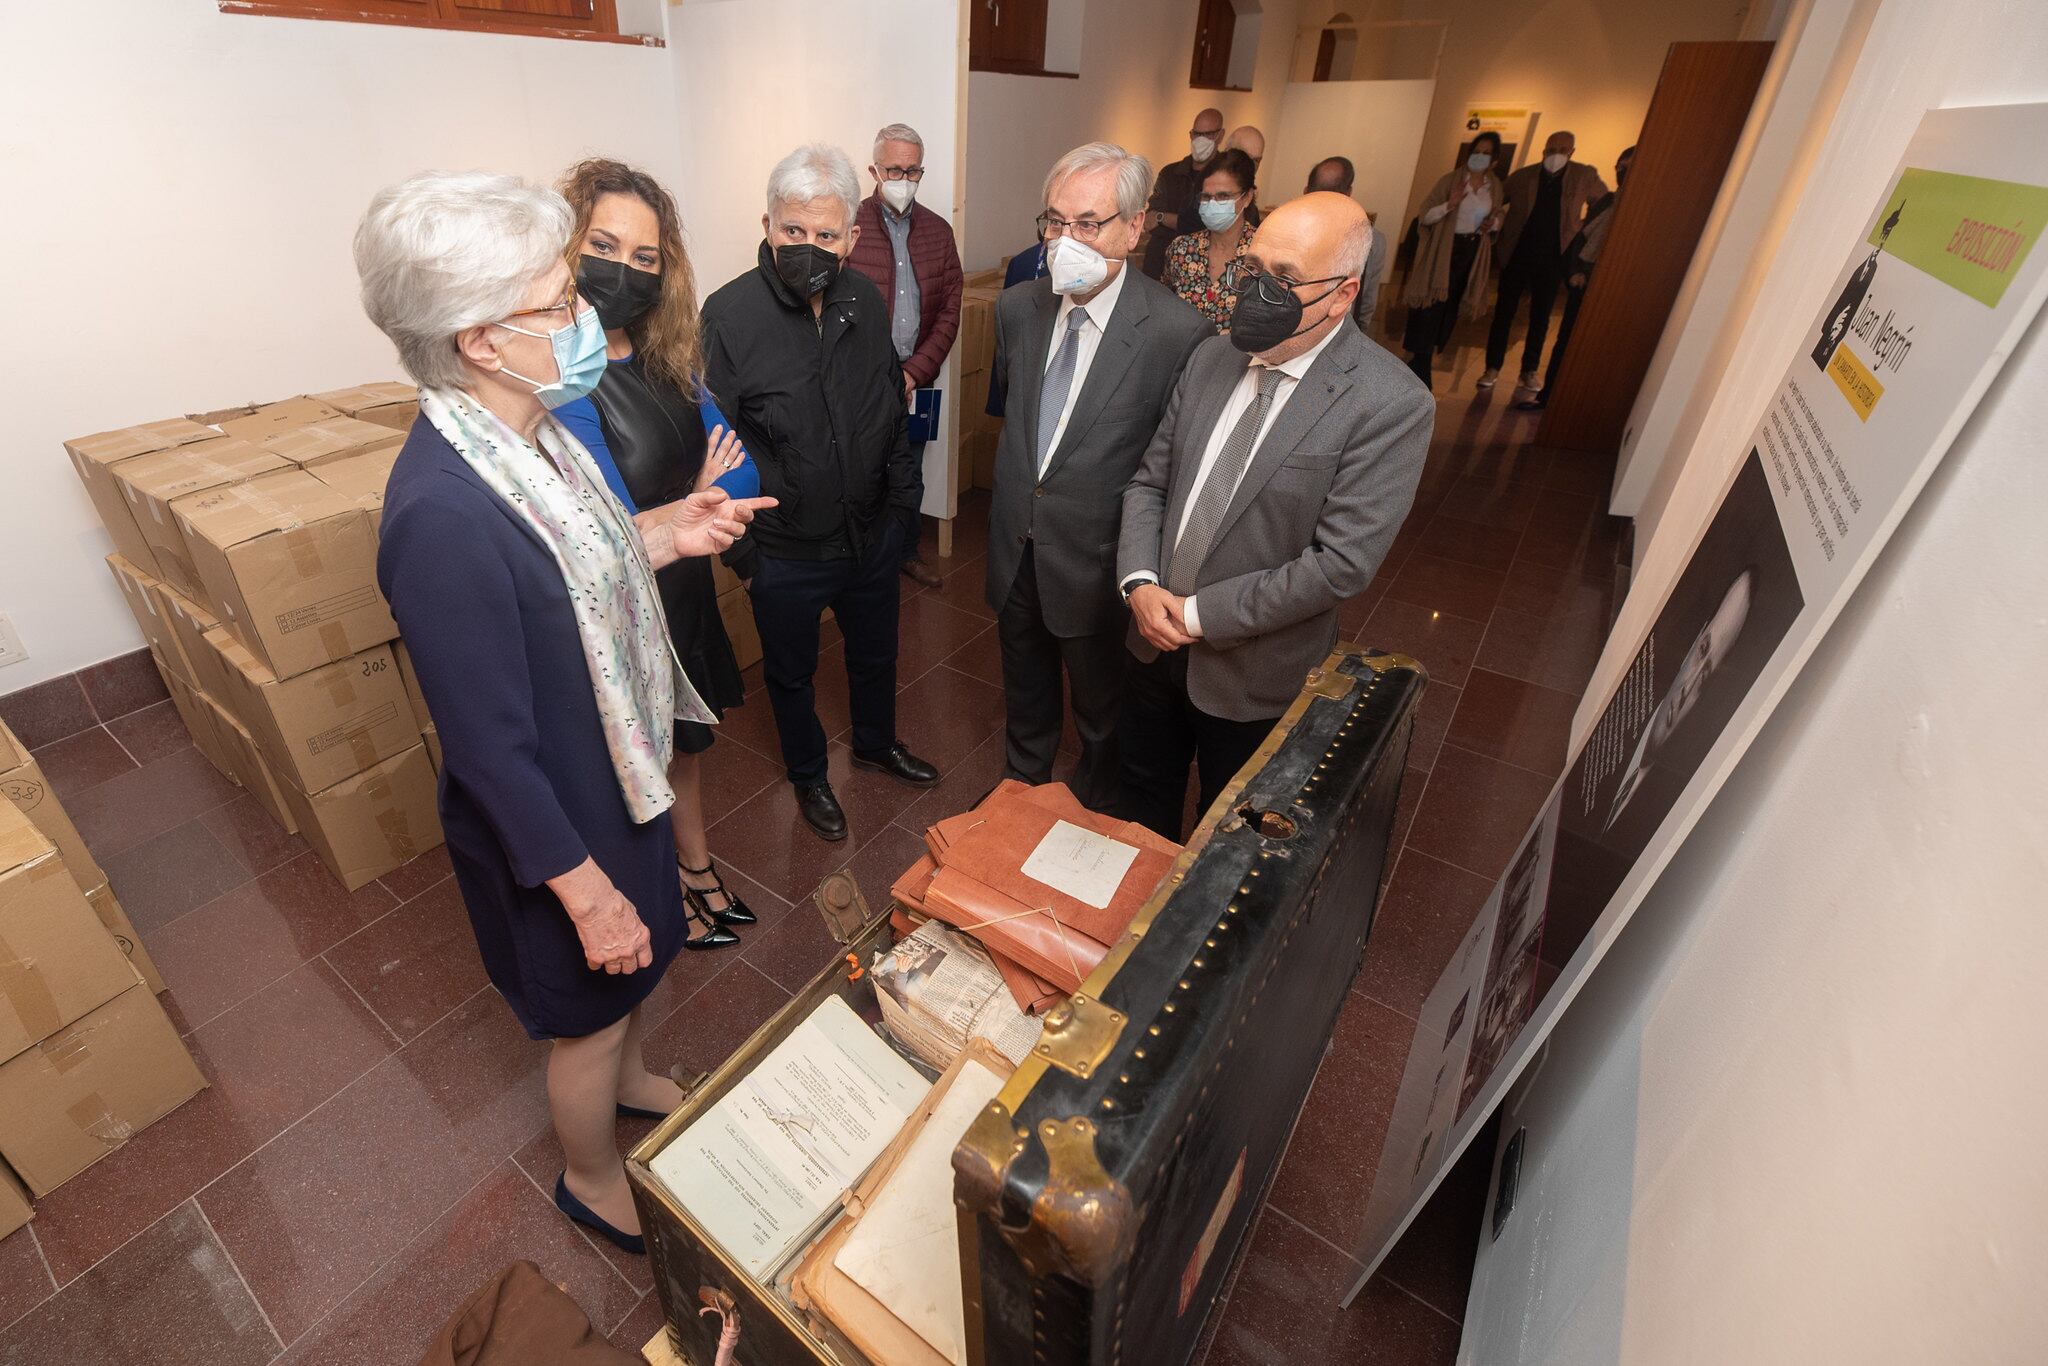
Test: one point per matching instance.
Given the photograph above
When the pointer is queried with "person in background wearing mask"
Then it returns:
(1287, 459)
(656, 436)
(527, 596)
(1448, 275)
(1546, 205)
(1090, 355)
(1579, 259)
(1197, 261)
(1335, 175)
(799, 352)
(1179, 185)
(908, 251)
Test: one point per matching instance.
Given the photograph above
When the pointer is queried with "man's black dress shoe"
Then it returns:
(590, 1218)
(900, 764)
(821, 809)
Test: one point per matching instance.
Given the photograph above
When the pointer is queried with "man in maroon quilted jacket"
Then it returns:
(908, 251)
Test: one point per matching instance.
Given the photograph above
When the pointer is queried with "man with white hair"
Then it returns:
(1088, 356)
(1286, 461)
(798, 352)
(908, 251)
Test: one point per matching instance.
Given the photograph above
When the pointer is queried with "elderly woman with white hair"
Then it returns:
(526, 595)
(799, 352)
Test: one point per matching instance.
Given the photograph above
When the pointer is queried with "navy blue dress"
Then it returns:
(527, 788)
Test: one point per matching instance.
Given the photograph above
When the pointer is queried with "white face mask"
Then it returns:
(1075, 267)
(1202, 147)
(1479, 161)
(898, 194)
(1555, 162)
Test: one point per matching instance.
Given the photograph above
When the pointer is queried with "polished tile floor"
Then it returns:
(374, 1143)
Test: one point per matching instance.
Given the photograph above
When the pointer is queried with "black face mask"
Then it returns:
(1258, 324)
(620, 294)
(808, 269)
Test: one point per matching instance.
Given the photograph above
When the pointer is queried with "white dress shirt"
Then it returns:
(1099, 310)
(1234, 408)
(1472, 211)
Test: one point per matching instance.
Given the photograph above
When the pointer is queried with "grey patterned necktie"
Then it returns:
(1059, 378)
(1212, 500)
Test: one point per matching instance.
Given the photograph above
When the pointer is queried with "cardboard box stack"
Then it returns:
(977, 347)
(246, 545)
(87, 1056)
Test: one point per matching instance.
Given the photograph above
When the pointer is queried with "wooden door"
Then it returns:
(1215, 26)
(1696, 116)
(556, 14)
(1006, 35)
(1326, 53)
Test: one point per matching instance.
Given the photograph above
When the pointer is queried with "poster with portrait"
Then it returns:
(1928, 300)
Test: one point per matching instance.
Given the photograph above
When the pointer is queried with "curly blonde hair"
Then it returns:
(665, 338)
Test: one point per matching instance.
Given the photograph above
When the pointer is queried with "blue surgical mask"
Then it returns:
(1478, 161)
(1218, 216)
(579, 360)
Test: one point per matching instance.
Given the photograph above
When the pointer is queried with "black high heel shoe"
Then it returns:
(734, 912)
(583, 1214)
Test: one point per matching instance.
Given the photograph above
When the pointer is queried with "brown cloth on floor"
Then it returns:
(521, 1318)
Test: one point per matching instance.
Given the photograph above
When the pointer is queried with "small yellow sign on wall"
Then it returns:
(1855, 381)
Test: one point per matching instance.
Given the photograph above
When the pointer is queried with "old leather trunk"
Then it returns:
(1103, 1196)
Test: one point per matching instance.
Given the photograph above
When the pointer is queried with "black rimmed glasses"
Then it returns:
(913, 174)
(1080, 229)
(1239, 277)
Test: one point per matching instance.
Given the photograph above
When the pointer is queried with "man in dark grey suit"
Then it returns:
(1088, 355)
(1269, 495)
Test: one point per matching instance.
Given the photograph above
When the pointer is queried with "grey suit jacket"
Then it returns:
(1071, 514)
(1312, 519)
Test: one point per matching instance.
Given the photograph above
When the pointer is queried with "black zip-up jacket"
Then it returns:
(819, 403)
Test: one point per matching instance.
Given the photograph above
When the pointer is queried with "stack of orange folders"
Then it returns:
(1043, 939)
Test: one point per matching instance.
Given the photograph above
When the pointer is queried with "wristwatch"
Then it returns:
(1130, 586)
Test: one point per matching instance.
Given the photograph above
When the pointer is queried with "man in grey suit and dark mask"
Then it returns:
(1286, 461)
(1088, 355)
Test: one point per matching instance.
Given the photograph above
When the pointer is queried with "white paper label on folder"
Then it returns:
(1086, 866)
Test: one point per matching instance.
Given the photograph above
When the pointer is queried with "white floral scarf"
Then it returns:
(557, 490)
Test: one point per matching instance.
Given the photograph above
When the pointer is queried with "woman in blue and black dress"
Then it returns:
(657, 434)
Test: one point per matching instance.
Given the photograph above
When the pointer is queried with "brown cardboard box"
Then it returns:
(189, 622)
(260, 424)
(254, 772)
(15, 1210)
(22, 783)
(153, 482)
(361, 478)
(101, 899)
(355, 399)
(84, 1091)
(251, 769)
(412, 685)
(367, 825)
(198, 718)
(737, 612)
(334, 438)
(399, 417)
(94, 457)
(432, 739)
(291, 567)
(321, 726)
(57, 962)
(139, 591)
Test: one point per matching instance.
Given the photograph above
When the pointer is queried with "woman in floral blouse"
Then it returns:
(1196, 261)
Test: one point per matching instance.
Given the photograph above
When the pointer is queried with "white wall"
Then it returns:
(183, 186)
(1378, 124)
(1132, 90)
(755, 79)
(1794, 1116)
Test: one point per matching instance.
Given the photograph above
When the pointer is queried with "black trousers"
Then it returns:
(1033, 658)
(1162, 732)
(789, 598)
(1572, 299)
(1539, 277)
(1431, 327)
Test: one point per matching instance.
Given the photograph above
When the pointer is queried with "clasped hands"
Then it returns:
(1161, 616)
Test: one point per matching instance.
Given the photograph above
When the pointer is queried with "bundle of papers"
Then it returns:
(1043, 883)
(938, 991)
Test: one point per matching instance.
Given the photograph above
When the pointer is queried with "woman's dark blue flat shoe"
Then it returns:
(635, 1112)
(583, 1214)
